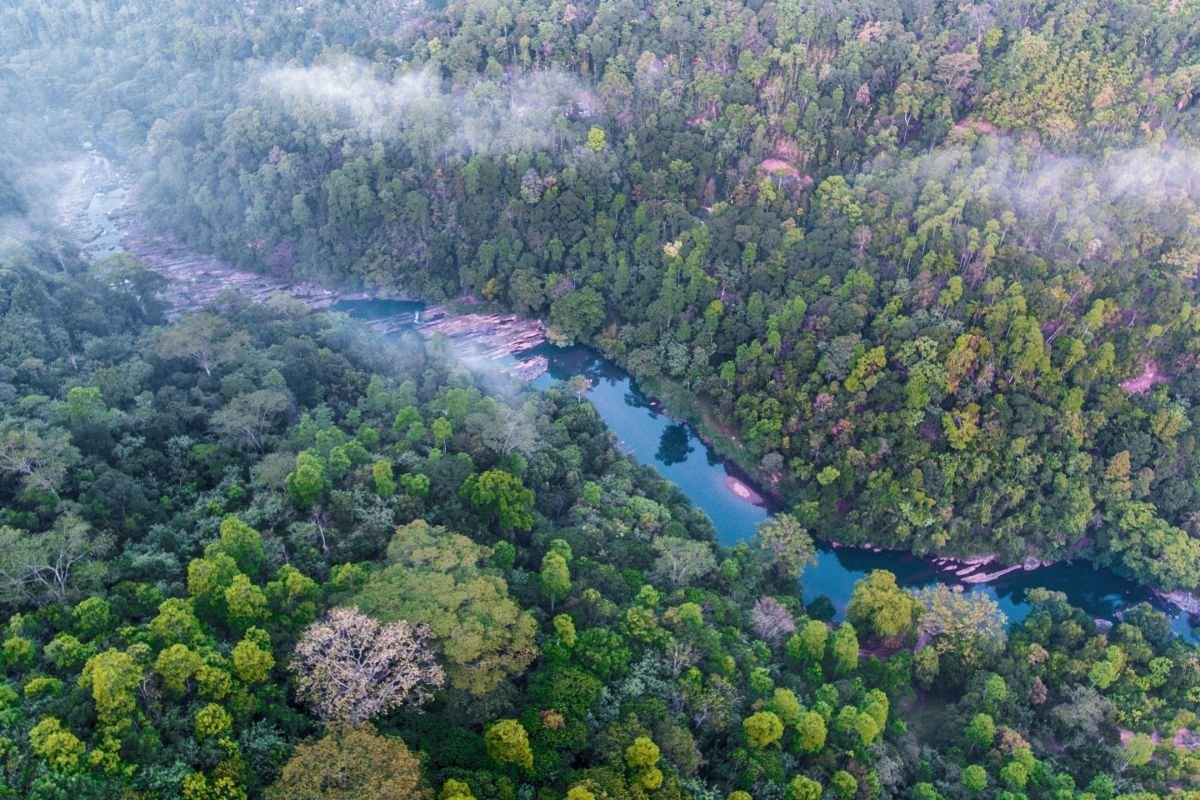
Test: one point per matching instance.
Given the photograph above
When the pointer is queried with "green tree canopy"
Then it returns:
(437, 578)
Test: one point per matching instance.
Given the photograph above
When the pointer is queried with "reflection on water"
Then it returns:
(646, 433)
(674, 448)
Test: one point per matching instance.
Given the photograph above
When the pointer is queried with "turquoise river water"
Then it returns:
(646, 431)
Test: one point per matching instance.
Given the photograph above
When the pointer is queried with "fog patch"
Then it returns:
(521, 112)
(1069, 205)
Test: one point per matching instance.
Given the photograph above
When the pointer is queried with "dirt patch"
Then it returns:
(980, 125)
(778, 168)
(779, 165)
(1149, 377)
(1186, 739)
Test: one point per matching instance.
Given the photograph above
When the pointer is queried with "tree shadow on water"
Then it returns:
(674, 445)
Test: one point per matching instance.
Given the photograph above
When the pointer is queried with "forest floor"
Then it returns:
(929, 718)
(1146, 380)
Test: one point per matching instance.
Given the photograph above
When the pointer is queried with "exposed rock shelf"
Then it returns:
(93, 207)
(491, 336)
(196, 280)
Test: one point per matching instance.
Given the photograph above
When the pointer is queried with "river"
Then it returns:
(652, 436)
(647, 432)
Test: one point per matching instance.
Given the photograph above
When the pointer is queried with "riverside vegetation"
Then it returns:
(934, 264)
(908, 251)
(258, 552)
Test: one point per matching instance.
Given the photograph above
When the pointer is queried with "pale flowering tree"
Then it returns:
(349, 667)
(772, 620)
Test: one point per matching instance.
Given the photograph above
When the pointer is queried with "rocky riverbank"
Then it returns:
(95, 208)
(104, 217)
(1187, 602)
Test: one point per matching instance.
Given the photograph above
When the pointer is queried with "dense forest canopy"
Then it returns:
(926, 269)
(931, 266)
(259, 552)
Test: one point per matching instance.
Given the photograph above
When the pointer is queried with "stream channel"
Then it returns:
(648, 433)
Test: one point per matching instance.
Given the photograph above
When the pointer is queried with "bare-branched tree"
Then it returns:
(349, 667)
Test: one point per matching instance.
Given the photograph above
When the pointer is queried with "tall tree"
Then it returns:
(351, 763)
(350, 668)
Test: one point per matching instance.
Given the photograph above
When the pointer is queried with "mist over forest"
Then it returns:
(922, 275)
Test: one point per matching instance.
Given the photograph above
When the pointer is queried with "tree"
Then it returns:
(41, 457)
(974, 778)
(576, 315)
(442, 431)
(810, 733)
(1015, 775)
(197, 786)
(808, 645)
(1084, 717)
(980, 731)
(682, 562)
(56, 746)
(252, 416)
(881, 607)
(642, 759)
(802, 788)
(133, 281)
(843, 785)
(92, 616)
(252, 658)
(245, 603)
(50, 567)
(175, 666)
(877, 706)
(772, 620)
(596, 139)
(788, 544)
(508, 743)
(843, 649)
(642, 753)
(436, 579)
(785, 706)
(762, 729)
(307, 484)
(966, 625)
(113, 678)
(995, 693)
(926, 666)
(578, 385)
(555, 578)
(1150, 548)
(351, 763)
(1138, 751)
(241, 543)
(455, 790)
(925, 791)
(503, 496)
(204, 337)
(212, 721)
(351, 668)
(385, 484)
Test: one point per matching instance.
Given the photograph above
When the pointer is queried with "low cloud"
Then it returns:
(1091, 207)
(1150, 175)
(517, 113)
